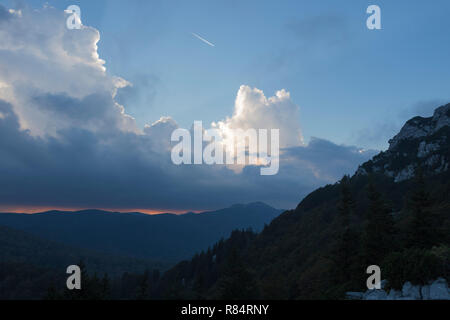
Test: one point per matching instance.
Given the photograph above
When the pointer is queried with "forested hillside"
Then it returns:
(322, 248)
(394, 213)
(30, 266)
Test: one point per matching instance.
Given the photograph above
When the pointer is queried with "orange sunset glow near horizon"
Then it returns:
(39, 209)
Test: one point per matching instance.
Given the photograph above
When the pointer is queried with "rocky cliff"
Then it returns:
(421, 142)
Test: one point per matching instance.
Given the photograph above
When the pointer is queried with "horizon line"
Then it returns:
(36, 210)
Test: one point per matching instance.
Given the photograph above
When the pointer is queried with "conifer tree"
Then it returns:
(421, 233)
(236, 282)
(346, 250)
(378, 237)
(143, 289)
(346, 204)
(105, 286)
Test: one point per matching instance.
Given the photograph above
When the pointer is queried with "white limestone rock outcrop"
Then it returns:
(434, 290)
(422, 142)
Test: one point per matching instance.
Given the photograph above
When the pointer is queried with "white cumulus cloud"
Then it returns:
(254, 110)
(40, 58)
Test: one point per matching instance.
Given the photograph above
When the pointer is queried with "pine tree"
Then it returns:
(237, 282)
(378, 237)
(156, 275)
(421, 233)
(198, 286)
(105, 293)
(346, 204)
(52, 293)
(143, 289)
(346, 250)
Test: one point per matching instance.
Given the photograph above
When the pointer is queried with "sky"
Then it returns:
(347, 89)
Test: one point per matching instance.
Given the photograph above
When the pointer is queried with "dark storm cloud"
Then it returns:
(97, 111)
(83, 169)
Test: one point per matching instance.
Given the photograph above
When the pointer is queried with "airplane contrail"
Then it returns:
(202, 39)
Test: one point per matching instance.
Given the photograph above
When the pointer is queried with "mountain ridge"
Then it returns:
(162, 237)
(101, 211)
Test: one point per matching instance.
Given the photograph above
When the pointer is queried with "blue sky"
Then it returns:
(354, 86)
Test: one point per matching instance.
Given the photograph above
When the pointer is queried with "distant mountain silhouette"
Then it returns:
(164, 237)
